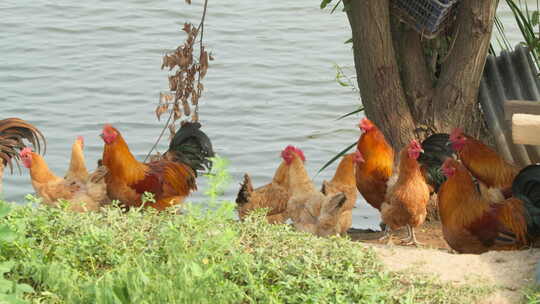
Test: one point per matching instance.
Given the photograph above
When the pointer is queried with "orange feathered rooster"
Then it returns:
(373, 173)
(472, 224)
(171, 179)
(484, 163)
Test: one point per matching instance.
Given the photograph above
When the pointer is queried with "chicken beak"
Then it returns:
(102, 136)
(421, 150)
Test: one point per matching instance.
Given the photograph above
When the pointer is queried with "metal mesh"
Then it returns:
(428, 17)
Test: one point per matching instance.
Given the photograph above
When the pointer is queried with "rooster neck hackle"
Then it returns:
(459, 202)
(298, 177)
(39, 171)
(409, 168)
(486, 165)
(281, 177)
(376, 151)
(345, 172)
(121, 163)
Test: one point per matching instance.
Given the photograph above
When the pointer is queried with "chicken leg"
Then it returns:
(387, 235)
(411, 239)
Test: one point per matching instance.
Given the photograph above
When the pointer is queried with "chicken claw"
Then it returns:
(411, 239)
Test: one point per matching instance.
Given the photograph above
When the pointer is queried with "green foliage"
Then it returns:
(526, 20)
(345, 81)
(202, 256)
(10, 291)
(218, 179)
(340, 154)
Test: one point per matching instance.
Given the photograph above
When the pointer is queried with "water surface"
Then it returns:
(70, 67)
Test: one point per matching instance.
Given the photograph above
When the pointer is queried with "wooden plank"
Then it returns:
(512, 107)
(526, 129)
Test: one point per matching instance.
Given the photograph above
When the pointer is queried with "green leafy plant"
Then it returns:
(10, 291)
(218, 179)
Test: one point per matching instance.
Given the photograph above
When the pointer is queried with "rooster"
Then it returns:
(472, 224)
(83, 196)
(309, 209)
(484, 164)
(436, 151)
(344, 181)
(273, 195)
(406, 200)
(12, 133)
(171, 179)
(373, 173)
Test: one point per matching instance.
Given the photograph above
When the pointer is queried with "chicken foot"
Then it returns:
(411, 239)
(387, 235)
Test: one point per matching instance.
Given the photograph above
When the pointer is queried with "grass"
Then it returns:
(201, 256)
(51, 255)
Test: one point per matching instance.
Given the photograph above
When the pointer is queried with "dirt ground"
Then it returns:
(508, 271)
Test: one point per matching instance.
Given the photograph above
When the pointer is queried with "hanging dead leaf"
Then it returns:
(177, 111)
(173, 83)
(211, 57)
(165, 98)
(187, 109)
(195, 116)
(194, 98)
(160, 110)
(203, 63)
(187, 26)
(172, 130)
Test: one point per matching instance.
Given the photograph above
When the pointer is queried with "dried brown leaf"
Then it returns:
(194, 98)
(173, 83)
(160, 110)
(187, 26)
(187, 109)
(203, 64)
(172, 130)
(177, 111)
(200, 88)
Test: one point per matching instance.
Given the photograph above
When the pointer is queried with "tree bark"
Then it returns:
(398, 90)
(377, 71)
(456, 98)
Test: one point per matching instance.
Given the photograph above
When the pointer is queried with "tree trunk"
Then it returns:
(398, 90)
(377, 71)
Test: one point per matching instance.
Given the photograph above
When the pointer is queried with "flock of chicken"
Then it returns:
(119, 176)
(484, 202)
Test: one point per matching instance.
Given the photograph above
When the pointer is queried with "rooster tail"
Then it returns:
(526, 187)
(12, 133)
(436, 150)
(246, 188)
(192, 147)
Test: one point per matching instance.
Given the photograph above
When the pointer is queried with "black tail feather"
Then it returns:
(436, 150)
(526, 187)
(192, 147)
(245, 190)
(12, 133)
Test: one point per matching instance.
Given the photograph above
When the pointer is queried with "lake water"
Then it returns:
(70, 67)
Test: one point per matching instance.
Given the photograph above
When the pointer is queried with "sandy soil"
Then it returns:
(508, 271)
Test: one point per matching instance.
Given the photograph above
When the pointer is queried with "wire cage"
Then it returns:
(428, 17)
